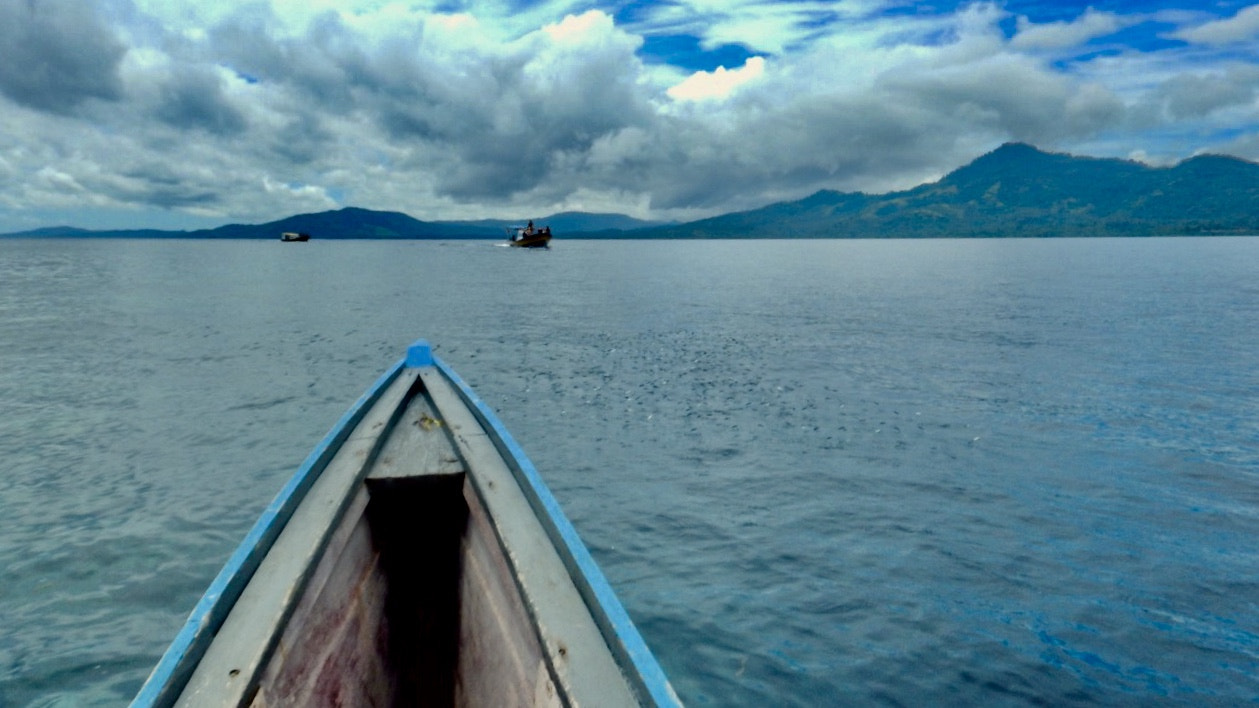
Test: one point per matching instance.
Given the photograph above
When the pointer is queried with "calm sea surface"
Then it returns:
(960, 472)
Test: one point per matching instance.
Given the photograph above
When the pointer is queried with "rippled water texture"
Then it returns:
(817, 473)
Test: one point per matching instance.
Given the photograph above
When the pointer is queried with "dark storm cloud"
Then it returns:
(302, 139)
(800, 148)
(157, 184)
(561, 109)
(329, 65)
(488, 121)
(57, 54)
(170, 192)
(192, 97)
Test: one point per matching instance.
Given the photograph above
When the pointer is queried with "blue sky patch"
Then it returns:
(684, 51)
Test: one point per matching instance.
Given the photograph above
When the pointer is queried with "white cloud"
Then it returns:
(579, 30)
(1059, 35)
(1242, 27)
(719, 83)
(1194, 96)
(315, 197)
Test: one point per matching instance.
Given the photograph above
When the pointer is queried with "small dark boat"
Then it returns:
(529, 237)
(415, 558)
(294, 237)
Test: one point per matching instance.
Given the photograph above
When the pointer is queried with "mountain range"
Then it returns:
(356, 223)
(1014, 191)
(1019, 191)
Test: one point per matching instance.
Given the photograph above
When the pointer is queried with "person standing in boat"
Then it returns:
(529, 228)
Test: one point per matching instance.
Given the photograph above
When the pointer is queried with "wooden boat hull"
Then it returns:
(536, 241)
(415, 558)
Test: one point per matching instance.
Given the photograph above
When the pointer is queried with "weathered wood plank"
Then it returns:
(419, 444)
(228, 672)
(499, 649)
(334, 644)
(575, 651)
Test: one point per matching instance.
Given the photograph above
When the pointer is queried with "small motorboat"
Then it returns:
(529, 237)
(415, 558)
(294, 237)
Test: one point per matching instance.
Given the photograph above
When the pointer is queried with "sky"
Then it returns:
(183, 115)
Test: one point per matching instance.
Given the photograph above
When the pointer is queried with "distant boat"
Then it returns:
(415, 558)
(293, 236)
(529, 237)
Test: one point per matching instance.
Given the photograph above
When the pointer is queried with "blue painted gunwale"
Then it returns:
(615, 623)
(180, 660)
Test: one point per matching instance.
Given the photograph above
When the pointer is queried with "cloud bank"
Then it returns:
(145, 113)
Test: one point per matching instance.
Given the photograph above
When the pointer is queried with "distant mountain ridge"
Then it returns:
(1014, 191)
(1018, 191)
(356, 223)
(572, 222)
(347, 223)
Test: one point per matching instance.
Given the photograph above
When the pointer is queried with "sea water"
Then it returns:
(955, 472)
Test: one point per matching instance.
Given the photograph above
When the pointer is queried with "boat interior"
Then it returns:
(416, 570)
